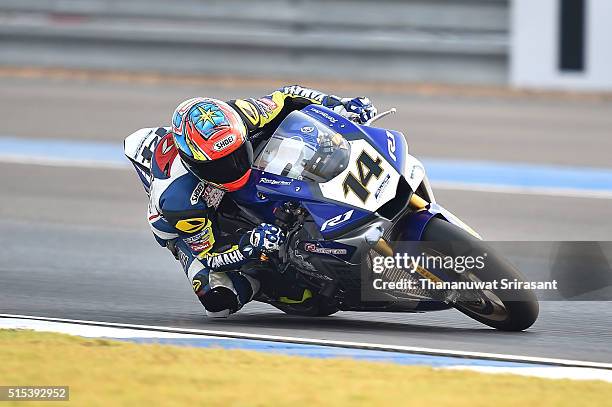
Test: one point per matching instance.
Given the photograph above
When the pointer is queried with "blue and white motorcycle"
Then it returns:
(345, 193)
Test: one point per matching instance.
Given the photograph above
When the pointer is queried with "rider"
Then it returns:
(194, 167)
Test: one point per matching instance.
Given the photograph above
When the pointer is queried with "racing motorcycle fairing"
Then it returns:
(341, 172)
(412, 226)
(389, 143)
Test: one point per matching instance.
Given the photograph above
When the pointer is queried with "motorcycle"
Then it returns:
(344, 193)
(349, 195)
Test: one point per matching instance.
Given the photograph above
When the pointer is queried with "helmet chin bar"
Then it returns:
(228, 186)
(188, 167)
(227, 171)
(239, 183)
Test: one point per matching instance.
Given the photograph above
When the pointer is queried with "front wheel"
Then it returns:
(491, 307)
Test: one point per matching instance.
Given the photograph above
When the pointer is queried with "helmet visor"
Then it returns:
(225, 169)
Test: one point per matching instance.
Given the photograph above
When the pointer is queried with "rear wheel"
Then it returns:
(491, 307)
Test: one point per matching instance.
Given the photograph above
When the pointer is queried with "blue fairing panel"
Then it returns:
(390, 143)
(276, 185)
(413, 225)
(332, 219)
(265, 191)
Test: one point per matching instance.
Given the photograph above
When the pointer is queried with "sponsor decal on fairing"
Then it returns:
(381, 188)
(314, 248)
(391, 145)
(324, 114)
(336, 220)
(274, 181)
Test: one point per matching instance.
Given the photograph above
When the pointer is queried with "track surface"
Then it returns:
(75, 244)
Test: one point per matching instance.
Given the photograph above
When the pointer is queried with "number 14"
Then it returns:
(367, 168)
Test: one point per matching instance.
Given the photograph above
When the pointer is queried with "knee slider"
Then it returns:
(219, 299)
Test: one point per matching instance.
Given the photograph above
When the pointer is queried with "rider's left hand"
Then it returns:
(267, 238)
(361, 108)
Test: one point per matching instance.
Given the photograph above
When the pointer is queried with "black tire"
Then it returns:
(518, 314)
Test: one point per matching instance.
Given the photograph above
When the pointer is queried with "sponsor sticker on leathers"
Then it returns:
(249, 110)
(197, 192)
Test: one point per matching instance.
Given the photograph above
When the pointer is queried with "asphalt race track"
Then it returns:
(75, 243)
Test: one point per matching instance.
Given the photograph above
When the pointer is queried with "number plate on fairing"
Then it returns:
(368, 182)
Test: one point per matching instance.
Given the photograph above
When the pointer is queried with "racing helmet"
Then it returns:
(211, 139)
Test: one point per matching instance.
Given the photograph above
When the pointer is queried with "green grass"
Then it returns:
(104, 372)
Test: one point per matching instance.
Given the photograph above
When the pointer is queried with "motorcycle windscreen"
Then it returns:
(304, 149)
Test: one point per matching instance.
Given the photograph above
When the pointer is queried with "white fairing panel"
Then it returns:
(380, 189)
(414, 172)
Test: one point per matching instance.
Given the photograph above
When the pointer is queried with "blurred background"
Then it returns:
(507, 102)
(548, 43)
(513, 82)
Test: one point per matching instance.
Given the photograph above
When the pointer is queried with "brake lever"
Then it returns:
(380, 116)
